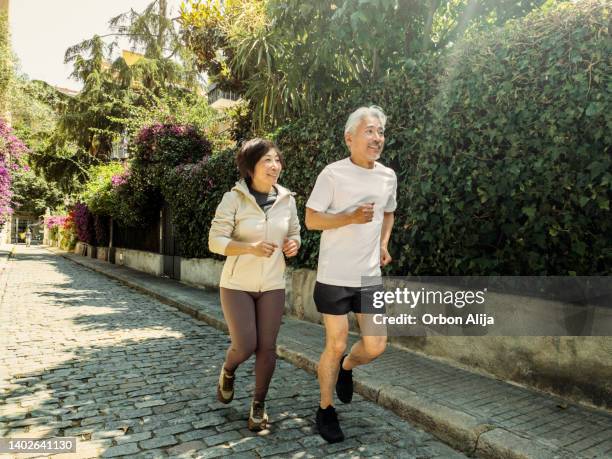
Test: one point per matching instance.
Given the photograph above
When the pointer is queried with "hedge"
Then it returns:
(501, 147)
(158, 149)
(503, 157)
(196, 190)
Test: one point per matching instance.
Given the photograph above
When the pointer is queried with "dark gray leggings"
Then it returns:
(253, 320)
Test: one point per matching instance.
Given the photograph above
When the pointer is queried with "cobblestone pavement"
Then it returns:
(128, 375)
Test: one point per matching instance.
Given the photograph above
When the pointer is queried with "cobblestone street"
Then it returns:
(127, 375)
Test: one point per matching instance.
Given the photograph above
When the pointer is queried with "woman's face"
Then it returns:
(267, 169)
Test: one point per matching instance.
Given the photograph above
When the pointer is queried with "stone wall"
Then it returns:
(148, 262)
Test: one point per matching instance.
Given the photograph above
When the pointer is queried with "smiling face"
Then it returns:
(267, 170)
(367, 142)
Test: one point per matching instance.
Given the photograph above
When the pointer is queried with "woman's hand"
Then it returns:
(290, 248)
(263, 248)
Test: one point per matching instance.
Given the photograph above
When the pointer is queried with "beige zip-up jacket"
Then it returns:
(239, 218)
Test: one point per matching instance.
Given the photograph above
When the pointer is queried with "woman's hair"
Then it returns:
(251, 152)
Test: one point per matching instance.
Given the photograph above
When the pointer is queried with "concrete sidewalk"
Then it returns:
(473, 413)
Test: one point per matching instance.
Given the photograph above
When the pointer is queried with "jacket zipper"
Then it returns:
(263, 261)
(250, 196)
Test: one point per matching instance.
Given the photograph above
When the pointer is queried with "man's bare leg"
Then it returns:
(336, 337)
(366, 349)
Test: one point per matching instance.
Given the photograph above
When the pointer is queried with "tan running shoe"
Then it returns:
(225, 388)
(258, 418)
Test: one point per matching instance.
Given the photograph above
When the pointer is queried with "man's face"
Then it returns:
(367, 141)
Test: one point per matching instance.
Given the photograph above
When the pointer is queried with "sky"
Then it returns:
(42, 30)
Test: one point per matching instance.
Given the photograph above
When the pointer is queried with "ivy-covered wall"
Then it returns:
(502, 150)
(501, 147)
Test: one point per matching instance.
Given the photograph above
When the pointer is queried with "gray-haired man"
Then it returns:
(352, 202)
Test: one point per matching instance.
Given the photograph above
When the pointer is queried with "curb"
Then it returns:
(455, 428)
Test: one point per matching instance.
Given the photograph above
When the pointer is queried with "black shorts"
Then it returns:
(338, 300)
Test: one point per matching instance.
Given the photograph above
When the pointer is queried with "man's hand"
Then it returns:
(263, 248)
(290, 248)
(385, 258)
(363, 214)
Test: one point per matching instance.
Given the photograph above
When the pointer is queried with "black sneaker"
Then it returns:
(344, 385)
(328, 425)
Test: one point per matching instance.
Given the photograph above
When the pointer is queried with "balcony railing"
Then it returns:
(217, 94)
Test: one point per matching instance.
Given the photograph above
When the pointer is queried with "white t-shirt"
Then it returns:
(352, 251)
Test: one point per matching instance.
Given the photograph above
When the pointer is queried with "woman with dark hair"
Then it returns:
(255, 226)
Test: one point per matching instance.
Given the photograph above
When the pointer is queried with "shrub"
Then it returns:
(99, 193)
(170, 145)
(193, 192)
(136, 200)
(514, 175)
(84, 223)
(158, 149)
(67, 232)
(503, 157)
(11, 150)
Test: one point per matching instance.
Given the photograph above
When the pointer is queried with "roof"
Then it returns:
(222, 104)
(68, 92)
(130, 57)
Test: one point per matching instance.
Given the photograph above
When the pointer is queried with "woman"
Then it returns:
(255, 226)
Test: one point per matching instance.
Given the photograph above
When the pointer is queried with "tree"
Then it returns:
(91, 117)
(295, 55)
(33, 194)
(36, 107)
(86, 126)
(6, 69)
(209, 29)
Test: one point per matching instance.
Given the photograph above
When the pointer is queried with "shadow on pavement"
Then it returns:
(136, 376)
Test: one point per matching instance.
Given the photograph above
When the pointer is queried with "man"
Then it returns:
(352, 202)
(28, 237)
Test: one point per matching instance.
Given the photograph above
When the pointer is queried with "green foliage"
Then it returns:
(6, 65)
(288, 57)
(138, 200)
(113, 87)
(33, 111)
(33, 194)
(516, 175)
(99, 193)
(87, 120)
(503, 159)
(208, 29)
(182, 109)
(195, 191)
(501, 147)
(158, 150)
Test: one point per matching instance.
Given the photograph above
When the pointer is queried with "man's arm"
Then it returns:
(385, 235)
(324, 221)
